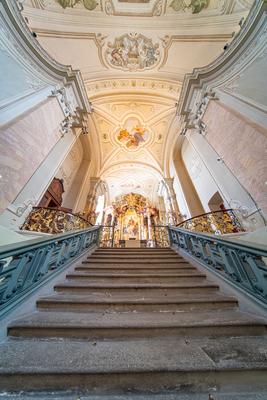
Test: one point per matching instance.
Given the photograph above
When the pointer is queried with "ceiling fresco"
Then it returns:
(132, 52)
(133, 56)
(133, 135)
(145, 8)
(131, 131)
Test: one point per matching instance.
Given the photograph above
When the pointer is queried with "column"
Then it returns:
(173, 200)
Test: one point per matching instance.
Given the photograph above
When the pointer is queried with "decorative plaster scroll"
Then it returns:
(158, 8)
(132, 52)
(74, 117)
(109, 8)
(158, 86)
(20, 209)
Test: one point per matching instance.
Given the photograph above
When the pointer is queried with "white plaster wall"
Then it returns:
(179, 193)
(201, 177)
(16, 212)
(24, 144)
(209, 174)
(68, 171)
(14, 81)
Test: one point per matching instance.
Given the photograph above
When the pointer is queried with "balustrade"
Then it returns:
(24, 266)
(51, 220)
(217, 222)
(243, 264)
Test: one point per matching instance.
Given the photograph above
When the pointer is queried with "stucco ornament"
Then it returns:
(195, 5)
(89, 4)
(132, 52)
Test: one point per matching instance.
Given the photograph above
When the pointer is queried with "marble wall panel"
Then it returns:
(24, 144)
(243, 147)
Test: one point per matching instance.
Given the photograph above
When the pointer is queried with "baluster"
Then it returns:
(13, 281)
(260, 283)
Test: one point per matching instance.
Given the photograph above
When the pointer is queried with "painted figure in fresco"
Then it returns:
(116, 57)
(151, 56)
(142, 51)
(134, 138)
(138, 135)
(133, 52)
(125, 49)
(194, 5)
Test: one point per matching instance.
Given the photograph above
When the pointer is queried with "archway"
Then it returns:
(131, 219)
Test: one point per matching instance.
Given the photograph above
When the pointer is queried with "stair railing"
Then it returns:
(244, 264)
(25, 266)
(218, 222)
(52, 220)
(161, 236)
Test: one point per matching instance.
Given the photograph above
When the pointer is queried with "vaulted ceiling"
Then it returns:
(135, 161)
(133, 55)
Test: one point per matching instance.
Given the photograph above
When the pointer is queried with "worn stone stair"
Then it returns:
(136, 321)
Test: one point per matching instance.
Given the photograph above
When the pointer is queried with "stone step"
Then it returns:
(140, 252)
(245, 392)
(126, 366)
(157, 289)
(136, 256)
(135, 249)
(133, 302)
(135, 260)
(141, 264)
(126, 325)
(91, 269)
(136, 278)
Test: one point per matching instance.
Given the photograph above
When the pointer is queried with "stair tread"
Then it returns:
(137, 260)
(135, 298)
(122, 256)
(140, 265)
(134, 320)
(176, 269)
(105, 275)
(256, 393)
(145, 355)
(76, 283)
(137, 249)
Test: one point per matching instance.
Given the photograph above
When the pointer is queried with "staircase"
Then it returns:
(129, 321)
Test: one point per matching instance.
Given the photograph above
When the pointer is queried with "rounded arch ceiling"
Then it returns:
(132, 127)
(132, 177)
(167, 39)
(133, 76)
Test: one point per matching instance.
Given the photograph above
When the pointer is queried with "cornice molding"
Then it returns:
(85, 22)
(154, 87)
(232, 60)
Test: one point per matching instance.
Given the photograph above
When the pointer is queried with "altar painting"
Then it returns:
(130, 225)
